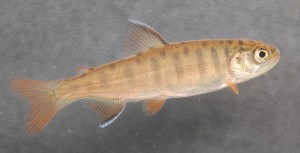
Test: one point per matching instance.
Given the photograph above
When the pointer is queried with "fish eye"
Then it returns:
(261, 55)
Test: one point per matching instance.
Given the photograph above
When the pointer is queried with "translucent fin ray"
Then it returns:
(153, 106)
(233, 87)
(107, 109)
(141, 37)
(42, 102)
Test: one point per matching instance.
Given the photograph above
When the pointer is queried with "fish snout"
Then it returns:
(276, 55)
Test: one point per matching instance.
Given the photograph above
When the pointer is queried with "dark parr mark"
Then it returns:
(162, 53)
(140, 53)
(75, 86)
(154, 63)
(230, 42)
(90, 85)
(186, 51)
(83, 75)
(155, 68)
(215, 57)
(241, 45)
(204, 43)
(138, 60)
(226, 53)
(177, 64)
(112, 66)
(200, 62)
(90, 69)
(128, 74)
(226, 50)
(103, 79)
(241, 42)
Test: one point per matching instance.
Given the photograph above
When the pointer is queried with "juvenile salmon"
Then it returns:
(158, 71)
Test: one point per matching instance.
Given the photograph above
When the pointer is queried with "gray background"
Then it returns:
(49, 39)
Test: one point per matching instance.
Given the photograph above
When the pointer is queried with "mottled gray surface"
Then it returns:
(49, 39)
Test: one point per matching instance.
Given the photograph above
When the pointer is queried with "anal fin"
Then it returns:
(153, 106)
(107, 109)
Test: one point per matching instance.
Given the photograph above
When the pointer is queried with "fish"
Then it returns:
(156, 71)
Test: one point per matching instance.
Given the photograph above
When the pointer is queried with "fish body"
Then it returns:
(158, 71)
(174, 70)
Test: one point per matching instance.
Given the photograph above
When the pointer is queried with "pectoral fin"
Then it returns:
(233, 87)
(153, 106)
(107, 109)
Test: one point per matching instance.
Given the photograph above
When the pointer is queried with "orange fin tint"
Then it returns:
(42, 102)
(233, 87)
(107, 109)
(141, 37)
(153, 106)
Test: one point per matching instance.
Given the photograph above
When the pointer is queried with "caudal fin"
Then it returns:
(42, 103)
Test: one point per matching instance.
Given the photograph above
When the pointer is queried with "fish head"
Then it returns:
(254, 59)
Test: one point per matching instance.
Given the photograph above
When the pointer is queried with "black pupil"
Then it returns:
(262, 54)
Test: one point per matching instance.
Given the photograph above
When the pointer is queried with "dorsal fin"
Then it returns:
(141, 37)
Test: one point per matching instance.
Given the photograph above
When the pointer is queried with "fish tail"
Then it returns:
(43, 104)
